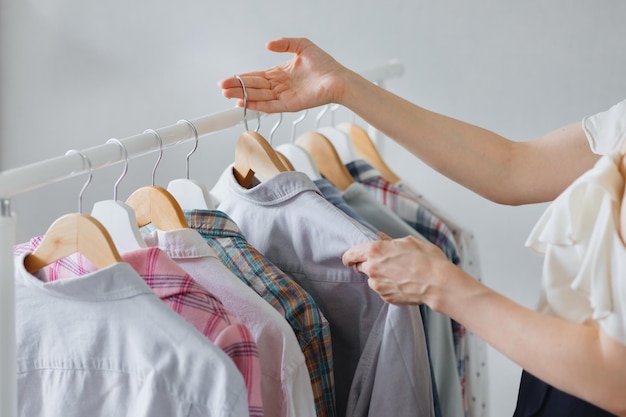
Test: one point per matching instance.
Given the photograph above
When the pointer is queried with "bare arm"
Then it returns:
(578, 359)
(495, 167)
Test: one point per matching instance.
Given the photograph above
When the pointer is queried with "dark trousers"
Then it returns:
(538, 399)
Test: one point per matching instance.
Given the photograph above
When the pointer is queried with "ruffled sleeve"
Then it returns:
(578, 237)
(606, 130)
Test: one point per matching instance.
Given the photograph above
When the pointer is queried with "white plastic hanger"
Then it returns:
(118, 217)
(298, 156)
(189, 193)
(340, 140)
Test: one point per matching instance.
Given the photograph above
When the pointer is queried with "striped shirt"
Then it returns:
(283, 293)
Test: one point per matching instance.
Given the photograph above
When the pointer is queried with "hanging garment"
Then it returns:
(281, 292)
(383, 218)
(103, 344)
(333, 194)
(195, 304)
(473, 349)
(286, 386)
(355, 200)
(288, 220)
(446, 337)
(440, 338)
(418, 217)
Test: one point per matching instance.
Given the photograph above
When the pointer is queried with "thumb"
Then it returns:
(293, 45)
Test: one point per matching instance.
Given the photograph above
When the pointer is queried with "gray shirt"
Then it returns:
(379, 350)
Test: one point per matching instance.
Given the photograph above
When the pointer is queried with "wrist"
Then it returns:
(454, 292)
(351, 86)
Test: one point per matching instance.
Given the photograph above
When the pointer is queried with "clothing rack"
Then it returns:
(49, 171)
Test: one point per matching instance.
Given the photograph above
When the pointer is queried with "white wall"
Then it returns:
(74, 73)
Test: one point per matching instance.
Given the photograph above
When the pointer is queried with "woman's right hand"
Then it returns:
(311, 78)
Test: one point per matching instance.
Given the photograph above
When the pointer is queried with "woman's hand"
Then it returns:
(311, 78)
(402, 271)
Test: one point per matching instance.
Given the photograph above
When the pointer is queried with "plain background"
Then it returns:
(74, 73)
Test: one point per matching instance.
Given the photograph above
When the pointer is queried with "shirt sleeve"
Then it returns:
(606, 130)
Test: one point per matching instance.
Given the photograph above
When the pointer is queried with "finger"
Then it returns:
(253, 94)
(355, 255)
(293, 45)
(383, 235)
(251, 80)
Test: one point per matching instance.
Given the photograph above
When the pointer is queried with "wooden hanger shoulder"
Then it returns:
(254, 154)
(367, 150)
(74, 233)
(154, 204)
(326, 158)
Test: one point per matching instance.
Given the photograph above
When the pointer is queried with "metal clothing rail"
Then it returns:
(49, 171)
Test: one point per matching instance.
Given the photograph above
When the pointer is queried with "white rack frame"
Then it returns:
(40, 174)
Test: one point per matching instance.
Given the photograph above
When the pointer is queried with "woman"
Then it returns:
(586, 362)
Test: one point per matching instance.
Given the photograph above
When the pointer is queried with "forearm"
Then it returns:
(578, 359)
(483, 161)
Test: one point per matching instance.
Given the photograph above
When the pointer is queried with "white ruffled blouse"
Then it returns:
(584, 270)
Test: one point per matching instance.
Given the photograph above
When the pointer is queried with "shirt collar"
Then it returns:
(180, 243)
(164, 276)
(213, 223)
(114, 282)
(280, 188)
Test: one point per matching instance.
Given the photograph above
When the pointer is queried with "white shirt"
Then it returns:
(585, 259)
(103, 344)
(286, 386)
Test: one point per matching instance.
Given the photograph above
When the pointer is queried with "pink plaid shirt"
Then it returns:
(190, 300)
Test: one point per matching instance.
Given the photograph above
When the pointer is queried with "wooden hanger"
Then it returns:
(154, 204)
(367, 150)
(286, 162)
(326, 159)
(254, 154)
(74, 233)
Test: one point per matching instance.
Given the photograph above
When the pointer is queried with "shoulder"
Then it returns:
(607, 129)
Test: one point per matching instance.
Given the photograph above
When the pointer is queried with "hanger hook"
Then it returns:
(125, 153)
(258, 121)
(280, 119)
(245, 100)
(89, 178)
(158, 161)
(320, 115)
(333, 109)
(295, 122)
(195, 146)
